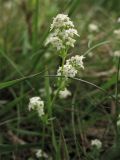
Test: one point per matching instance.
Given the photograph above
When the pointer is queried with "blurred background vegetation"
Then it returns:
(24, 26)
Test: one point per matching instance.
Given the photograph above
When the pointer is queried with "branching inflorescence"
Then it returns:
(36, 104)
(62, 37)
(63, 33)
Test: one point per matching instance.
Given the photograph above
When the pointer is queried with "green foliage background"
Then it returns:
(89, 113)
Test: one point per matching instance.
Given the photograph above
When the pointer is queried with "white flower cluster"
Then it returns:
(64, 93)
(96, 143)
(60, 21)
(76, 61)
(8, 5)
(93, 27)
(63, 33)
(55, 41)
(117, 33)
(36, 104)
(118, 20)
(70, 69)
(40, 154)
(117, 53)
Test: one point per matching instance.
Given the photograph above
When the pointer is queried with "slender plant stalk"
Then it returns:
(95, 46)
(73, 124)
(92, 84)
(116, 92)
(51, 106)
(116, 103)
(64, 53)
(43, 136)
(65, 148)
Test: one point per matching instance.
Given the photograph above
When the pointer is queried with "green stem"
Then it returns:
(51, 106)
(116, 103)
(116, 94)
(61, 80)
(43, 136)
(63, 62)
(35, 25)
(92, 84)
(73, 123)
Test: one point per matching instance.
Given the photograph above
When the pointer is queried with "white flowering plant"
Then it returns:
(62, 38)
(62, 34)
(57, 113)
(96, 146)
(36, 104)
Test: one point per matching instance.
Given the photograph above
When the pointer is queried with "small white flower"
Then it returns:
(71, 67)
(118, 20)
(36, 104)
(33, 102)
(55, 41)
(64, 93)
(118, 123)
(40, 154)
(93, 27)
(117, 33)
(8, 5)
(69, 33)
(70, 42)
(47, 55)
(61, 20)
(63, 33)
(68, 71)
(96, 143)
(67, 36)
(117, 53)
(76, 61)
(90, 54)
